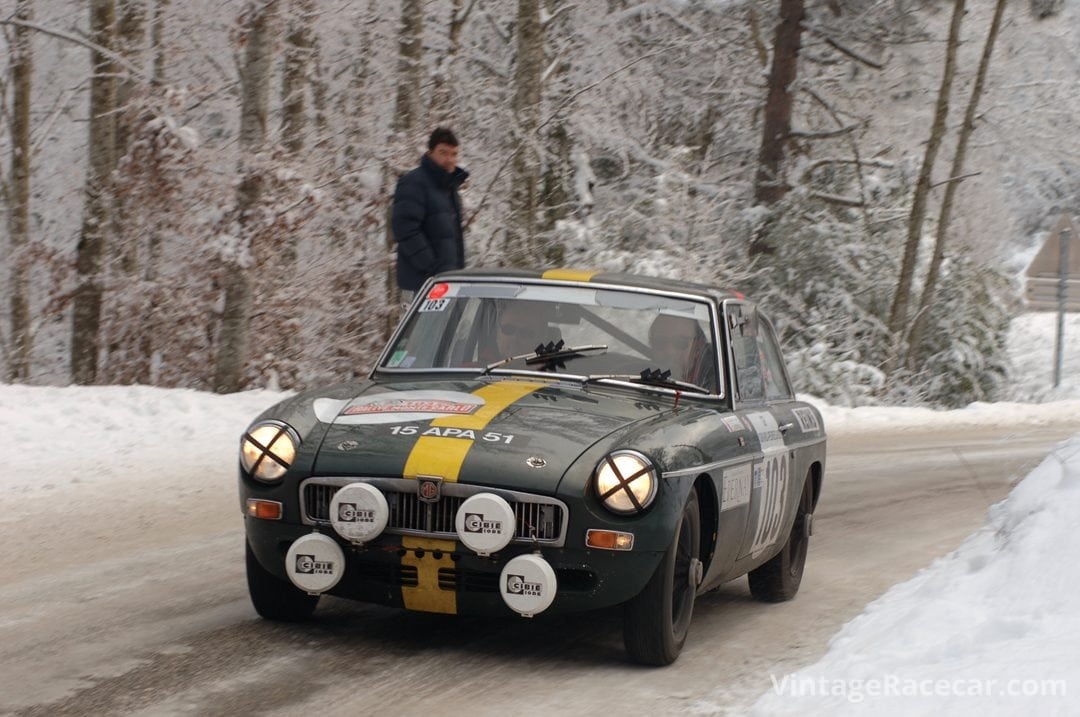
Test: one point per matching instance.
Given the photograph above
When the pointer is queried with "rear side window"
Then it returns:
(773, 369)
(745, 352)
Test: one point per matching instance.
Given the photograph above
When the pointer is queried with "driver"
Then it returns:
(679, 345)
(522, 325)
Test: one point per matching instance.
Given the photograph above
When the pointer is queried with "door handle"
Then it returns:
(785, 427)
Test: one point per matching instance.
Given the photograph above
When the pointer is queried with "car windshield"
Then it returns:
(471, 326)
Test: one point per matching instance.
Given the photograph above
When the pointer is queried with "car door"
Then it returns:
(762, 398)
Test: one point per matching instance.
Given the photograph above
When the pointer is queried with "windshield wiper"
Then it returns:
(551, 355)
(652, 377)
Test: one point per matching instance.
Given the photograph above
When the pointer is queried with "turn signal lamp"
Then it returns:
(265, 509)
(609, 540)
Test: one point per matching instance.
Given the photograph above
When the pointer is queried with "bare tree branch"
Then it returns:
(139, 74)
(955, 179)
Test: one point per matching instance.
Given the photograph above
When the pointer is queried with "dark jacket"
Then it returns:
(426, 222)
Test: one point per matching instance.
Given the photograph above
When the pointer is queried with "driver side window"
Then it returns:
(746, 353)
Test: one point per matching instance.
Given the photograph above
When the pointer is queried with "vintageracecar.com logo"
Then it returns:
(308, 565)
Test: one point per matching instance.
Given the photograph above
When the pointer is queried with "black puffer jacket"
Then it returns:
(426, 221)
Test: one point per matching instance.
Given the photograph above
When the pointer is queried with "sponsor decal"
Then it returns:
(518, 585)
(397, 407)
(308, 565)
(768, 431)
(352, 513)
(477, 523)
(734, 424)
(410, 406)
(807, 419)
(737, 482)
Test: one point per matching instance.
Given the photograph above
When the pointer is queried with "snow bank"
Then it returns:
(841, 421)
(103, 434)
(992, 628)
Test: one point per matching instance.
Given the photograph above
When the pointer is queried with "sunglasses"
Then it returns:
(678, 342)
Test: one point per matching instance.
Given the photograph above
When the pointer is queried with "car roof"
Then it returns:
(634, 281)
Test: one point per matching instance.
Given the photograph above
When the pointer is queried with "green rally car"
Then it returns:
(542, 441)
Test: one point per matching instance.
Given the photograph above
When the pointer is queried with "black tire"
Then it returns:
(274, 598)
(779, 579)
(657, 620)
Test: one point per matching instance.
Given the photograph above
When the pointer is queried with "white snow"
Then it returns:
(992, 628)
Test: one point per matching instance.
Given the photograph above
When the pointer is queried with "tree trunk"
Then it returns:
(769, 184)
(528, 69)
(898, 316)
(407, 114)
(966, 129)
(294, 76)
(443, 108)
(130, 39)
(157, 32)
(86, 311)
(22, 72)
(405, 127)
(255, 87)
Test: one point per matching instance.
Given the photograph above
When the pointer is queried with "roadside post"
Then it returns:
(1064, 239)
(1053, 282)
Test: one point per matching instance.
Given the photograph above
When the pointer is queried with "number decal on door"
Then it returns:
(771, 477)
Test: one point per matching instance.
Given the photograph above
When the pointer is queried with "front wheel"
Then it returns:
(274, 598)
(657, 620)
(779, 578)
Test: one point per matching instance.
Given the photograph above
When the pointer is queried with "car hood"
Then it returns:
(508, 433)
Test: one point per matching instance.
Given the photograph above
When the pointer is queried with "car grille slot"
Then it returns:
(471, 581)
(388, 573)
(537, 520)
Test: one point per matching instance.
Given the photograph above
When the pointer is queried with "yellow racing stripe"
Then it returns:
(443, 456)
(569, 274)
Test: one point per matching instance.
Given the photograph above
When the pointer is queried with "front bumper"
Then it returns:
(439, 575)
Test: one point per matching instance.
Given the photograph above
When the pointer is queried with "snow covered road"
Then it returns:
(127, 595)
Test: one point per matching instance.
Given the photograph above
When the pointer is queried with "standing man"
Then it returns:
(426, 217)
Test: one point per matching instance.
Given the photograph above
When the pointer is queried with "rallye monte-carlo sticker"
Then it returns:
(396, 407)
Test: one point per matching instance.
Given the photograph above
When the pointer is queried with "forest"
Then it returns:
(195, 194)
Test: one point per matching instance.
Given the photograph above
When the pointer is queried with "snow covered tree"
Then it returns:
(898, 314)
(17, 193)
(521, 227)
(91, 251)
(769, 183)
(232, 341)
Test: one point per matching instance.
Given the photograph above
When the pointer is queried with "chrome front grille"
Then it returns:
(539, 519)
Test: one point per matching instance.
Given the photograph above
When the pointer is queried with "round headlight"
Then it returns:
(268, 449)
(626, 482)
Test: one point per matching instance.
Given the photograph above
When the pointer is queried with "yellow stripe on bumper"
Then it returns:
(569, 274)
(443, 457)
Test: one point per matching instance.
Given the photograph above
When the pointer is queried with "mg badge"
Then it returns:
(429, 489)
(535, 462)
(348, 446)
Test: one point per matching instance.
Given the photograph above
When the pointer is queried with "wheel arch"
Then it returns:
(816, 478)
(709, 515)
